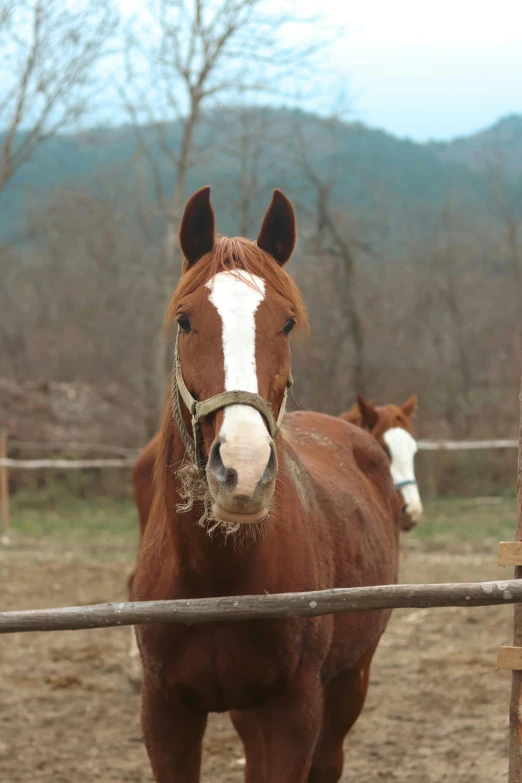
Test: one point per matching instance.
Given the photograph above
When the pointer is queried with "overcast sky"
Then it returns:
(423, 70)
(429, 70)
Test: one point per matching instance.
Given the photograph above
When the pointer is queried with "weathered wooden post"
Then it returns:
(515, 710)
(4, 488)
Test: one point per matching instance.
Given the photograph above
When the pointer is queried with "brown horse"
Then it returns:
(243, 505)
(391, 426)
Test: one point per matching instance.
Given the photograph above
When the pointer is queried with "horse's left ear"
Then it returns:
(196, 232)
(410, 406)
(278, 232)
(369, 415)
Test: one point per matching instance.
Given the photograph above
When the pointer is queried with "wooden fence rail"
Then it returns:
(130, 456)
(246, 607)
(466, 445)
(66, 464)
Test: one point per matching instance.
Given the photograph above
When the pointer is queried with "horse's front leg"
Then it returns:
(291, 727)
(173, 736)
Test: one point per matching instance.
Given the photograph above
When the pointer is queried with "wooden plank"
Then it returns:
(509, 658)
(466, 445)
(515, 705)
(4, 488)
(65, 464)
(510, 553)
(246, 607)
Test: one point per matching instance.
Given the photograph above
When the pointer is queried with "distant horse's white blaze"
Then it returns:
(246, 442)
(402, 451)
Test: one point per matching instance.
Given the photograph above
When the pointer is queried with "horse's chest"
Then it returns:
(222, 667)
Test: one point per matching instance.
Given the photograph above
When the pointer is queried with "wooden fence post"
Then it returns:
(4, 489)
(515, 709)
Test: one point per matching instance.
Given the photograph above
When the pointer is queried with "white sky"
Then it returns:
(422, 69)
(429, 69)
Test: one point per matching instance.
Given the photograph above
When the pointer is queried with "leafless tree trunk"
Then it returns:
(332, 240)
(510, 213)
(453, 297)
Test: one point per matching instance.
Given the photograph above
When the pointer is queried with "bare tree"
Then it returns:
(252, 142)
(334, 236)
(203, 53)
(49, 51)
(507, 199)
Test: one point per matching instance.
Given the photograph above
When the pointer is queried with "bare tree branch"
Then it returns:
(47, 80)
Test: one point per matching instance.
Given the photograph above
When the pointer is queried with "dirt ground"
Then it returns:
(437, 710)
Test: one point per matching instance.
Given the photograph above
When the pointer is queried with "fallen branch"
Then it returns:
(246, 607)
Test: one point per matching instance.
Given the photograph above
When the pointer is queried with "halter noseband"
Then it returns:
(199, 410)
(406, 483)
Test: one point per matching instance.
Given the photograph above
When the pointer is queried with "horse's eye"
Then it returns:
(184, 323)
(289, 326)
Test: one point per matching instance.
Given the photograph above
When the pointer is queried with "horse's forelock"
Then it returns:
(238, 253)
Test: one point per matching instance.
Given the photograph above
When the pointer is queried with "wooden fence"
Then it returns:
(247, 607)
(235, 608)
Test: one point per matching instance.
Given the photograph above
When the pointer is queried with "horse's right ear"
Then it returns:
(410, 406)
(278, 232)
(196, 232)
(369, 415)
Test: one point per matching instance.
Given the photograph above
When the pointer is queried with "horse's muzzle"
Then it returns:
(241, 476)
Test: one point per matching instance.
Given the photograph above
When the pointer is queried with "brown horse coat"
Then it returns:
(294, 686)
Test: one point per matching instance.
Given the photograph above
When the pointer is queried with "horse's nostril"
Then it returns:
(271, 468)
(231, 479)
(227, 477)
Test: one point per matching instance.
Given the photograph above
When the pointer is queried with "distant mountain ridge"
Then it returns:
(504, 138)
(398, 184)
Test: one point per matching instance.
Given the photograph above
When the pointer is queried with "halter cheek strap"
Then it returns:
(199, 410)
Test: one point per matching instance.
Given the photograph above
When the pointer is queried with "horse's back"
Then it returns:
(353, 415)
(340, 456)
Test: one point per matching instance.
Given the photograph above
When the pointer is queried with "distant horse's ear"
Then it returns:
(278, 232)
(196, 233)
(410, 406)
(369, 415)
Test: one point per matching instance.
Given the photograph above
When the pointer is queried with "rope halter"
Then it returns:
(193, 442)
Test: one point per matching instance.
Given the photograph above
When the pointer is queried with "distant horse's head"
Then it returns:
(235, 307)
(391, 426)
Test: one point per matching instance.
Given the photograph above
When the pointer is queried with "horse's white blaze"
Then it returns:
(246, 447)
(402, 450)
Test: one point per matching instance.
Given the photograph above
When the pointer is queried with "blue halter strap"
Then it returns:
(406, 483)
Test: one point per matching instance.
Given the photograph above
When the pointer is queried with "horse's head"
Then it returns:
(391, 426)
(235, 307)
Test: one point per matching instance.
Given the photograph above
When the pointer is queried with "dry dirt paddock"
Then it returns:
(437, 710)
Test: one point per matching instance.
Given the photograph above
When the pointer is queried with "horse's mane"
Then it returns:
(239, 254)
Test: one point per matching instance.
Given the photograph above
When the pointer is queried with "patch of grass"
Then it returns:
(96, 522)
(472, 520)
(72, 520)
